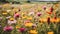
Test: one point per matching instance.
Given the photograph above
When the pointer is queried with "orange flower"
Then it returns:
(50, 32)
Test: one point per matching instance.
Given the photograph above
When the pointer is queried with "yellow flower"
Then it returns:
(28, 24)
(50, 32)
(29, 18)
(17, 27)
(11, 19)
(33, 32)
(4, 13)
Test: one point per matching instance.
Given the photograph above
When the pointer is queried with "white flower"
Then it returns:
(12, 22)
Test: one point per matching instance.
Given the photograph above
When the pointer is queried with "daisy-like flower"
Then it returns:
(8, 28)
(12, 21)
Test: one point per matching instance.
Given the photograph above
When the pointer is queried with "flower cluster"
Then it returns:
(30, 18)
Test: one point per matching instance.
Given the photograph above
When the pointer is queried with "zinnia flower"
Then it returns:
(8, 28)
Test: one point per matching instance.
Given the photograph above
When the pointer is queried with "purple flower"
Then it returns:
(8, 28)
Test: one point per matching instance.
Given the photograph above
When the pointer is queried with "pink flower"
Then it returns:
(44, 7)
(16, 15)
(8, 28)
(22, 29)
(39, 14)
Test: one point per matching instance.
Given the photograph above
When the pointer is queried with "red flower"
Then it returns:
(51, 9)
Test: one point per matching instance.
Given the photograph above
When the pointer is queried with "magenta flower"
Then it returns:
(22, 29)
(8, 28)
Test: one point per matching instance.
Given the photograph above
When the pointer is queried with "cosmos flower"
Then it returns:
(8, 28)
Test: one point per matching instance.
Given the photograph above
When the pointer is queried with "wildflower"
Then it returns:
(39, 14)
(51, 9)
(17, 27)
(33, 32)
(12, 21)
(44, 7)
(8, 10)
(4, 13)
(29, 24)
(8, 17)
(16, 15)
(8, 28)
(22, 29)
(50, 32)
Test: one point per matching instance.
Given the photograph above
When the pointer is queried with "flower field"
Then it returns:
(33, 18)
